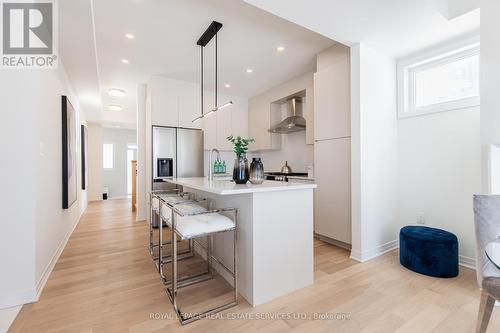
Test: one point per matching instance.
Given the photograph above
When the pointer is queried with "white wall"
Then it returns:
(293, 149)
(439, 171)
(374, 153)
(490, 81)
(116, 179)
(141, 152)
(95, 161)
(35, 227)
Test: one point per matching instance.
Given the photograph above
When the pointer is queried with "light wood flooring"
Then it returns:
(105, 281)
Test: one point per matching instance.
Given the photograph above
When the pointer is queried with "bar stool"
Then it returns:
(189, 223)
(156, 222)
(187, 205)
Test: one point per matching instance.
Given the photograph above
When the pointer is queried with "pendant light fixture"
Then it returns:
(207, 36)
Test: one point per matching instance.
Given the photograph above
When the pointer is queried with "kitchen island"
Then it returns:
(275, 233)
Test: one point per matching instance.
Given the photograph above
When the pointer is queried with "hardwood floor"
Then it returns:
(105, 281)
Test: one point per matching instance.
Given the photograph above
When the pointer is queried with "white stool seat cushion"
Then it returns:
(172, 198)
(198, 225)
(166, 214)
(155, 203)
(188, 208)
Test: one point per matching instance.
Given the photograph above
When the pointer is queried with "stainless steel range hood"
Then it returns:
(294, 122)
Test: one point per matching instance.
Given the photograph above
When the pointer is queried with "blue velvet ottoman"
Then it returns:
(429, 251)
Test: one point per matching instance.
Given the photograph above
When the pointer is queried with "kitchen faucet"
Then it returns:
(210, 166)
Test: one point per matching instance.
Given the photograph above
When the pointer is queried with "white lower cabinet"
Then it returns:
(332, 199)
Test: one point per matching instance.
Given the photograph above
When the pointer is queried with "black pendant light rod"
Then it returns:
(207, 36)
(202, 105)
(216, 73)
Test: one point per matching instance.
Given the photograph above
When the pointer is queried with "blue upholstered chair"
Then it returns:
(429, 251)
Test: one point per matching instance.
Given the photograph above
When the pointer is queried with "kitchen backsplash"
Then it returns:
(293, 149)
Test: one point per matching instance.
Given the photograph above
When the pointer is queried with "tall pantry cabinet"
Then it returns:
(332, 145)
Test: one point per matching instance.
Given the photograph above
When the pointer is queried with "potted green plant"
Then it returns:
(240, 169)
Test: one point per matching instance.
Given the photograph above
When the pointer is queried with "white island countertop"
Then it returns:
(226, 187)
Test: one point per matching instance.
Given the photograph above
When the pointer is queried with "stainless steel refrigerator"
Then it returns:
(177, 152)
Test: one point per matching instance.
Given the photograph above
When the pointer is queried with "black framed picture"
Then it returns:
(84, 141)
(69, 135)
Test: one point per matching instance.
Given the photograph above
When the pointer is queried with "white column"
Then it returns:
(141, 152)
(490, 80)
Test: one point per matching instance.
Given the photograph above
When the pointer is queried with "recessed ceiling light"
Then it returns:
(125, 61)
(280, 48)
(227, 85)
(115, 92)
(249, 70)
(117, 126)
(129, 36)
(114, 107)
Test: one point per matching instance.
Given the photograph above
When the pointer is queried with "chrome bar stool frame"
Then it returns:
(165, 259)
(155, 213)
(176, 284)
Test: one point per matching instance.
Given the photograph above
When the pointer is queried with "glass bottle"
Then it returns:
(256, 171)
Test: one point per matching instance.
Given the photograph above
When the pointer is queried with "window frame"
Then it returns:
(112, 157)
(407, 68)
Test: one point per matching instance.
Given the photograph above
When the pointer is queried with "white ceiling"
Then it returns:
(77, 49)
(395, 27)
(166, 32)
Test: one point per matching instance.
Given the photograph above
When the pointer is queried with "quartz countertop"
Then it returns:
(226, 187)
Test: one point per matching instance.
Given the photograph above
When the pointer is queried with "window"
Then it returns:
(108, 157)
(443, 80)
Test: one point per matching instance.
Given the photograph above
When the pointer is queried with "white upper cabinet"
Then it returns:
(261, 116)
(332, 99)
(239, 118)
(174, 103)
(189, 106)
(224, 128)
(264, 112)
(231, 120)
(309, 114)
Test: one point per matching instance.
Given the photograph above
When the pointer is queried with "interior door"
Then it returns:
(189, 153)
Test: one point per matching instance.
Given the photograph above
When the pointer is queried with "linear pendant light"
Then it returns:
(207, 36)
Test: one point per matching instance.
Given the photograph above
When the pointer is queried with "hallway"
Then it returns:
(105, 282)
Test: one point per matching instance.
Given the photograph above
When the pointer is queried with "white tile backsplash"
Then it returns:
(293, 149)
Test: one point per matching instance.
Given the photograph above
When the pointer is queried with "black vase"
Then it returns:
(240, 170)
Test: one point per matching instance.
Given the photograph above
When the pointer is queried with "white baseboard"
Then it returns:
(334, 242)
(17, 299)
(374, 252)
(120, 197)
(467, 262)
(464, 261)
(7, 317)
(48, 269)
(215, 265)
(31, 296)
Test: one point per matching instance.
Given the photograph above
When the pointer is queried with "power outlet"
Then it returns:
(421, 218)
